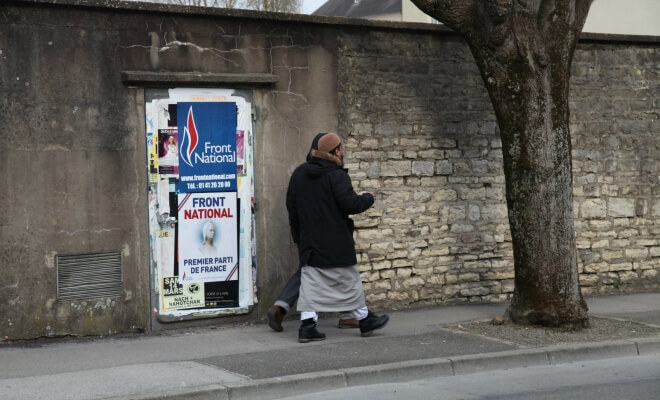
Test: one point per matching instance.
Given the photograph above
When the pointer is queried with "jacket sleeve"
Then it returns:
(348, 201)
(293, 211)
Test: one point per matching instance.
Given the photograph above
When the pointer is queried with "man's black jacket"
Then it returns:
(319, 199)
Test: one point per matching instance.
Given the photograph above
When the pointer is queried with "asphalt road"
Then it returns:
(621, 378)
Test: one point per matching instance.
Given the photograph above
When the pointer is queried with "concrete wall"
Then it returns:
(73, 153)
(72, 169)
(419, 130)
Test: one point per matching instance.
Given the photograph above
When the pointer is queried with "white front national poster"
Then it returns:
(208, 237)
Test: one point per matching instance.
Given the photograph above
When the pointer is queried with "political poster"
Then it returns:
(207, 150)
(208, 237)
(177, 296)
(168, 152)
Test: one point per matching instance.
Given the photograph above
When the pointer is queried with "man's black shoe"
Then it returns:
(308, 333)
(275, 317)
(372, 322)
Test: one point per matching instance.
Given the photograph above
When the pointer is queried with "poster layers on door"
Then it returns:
(201, 182)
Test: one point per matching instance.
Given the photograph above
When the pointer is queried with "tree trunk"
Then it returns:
(527, 77)
(524, 50)
(537, 165)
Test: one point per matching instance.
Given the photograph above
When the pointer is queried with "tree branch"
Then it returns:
(581, 11)
(456, 14)
(575, 11)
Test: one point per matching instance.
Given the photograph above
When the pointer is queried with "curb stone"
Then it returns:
(648, 346)
(287, 386)
(592, 351)
(398, 371)
(473, 363)
(295, 385)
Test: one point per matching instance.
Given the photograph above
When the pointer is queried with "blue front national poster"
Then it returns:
(207, 154)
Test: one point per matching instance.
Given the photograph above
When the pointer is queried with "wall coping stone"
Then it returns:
(148, 78)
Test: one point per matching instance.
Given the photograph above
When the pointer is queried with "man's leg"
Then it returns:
(290, 293)
(368, 321)
(360, 313)
(308, 331)
(347, 321)
(284, 302)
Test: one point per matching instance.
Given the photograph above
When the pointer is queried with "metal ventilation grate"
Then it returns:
(89, 276)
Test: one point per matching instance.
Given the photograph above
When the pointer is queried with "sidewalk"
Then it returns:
(253, 362)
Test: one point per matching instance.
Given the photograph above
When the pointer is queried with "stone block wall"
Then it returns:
(616, 166)
(421, 133)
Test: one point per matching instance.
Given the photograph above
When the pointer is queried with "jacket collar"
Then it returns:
(326, 156)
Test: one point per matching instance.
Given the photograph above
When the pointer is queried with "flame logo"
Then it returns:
(190, 139)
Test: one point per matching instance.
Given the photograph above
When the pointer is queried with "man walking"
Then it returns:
(319, 200)
(289, 294)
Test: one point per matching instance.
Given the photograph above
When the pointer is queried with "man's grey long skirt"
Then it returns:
(330, 289)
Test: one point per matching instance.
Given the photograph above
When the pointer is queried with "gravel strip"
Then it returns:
(601, 329)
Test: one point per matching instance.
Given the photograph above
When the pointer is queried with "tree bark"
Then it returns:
(524, 50)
